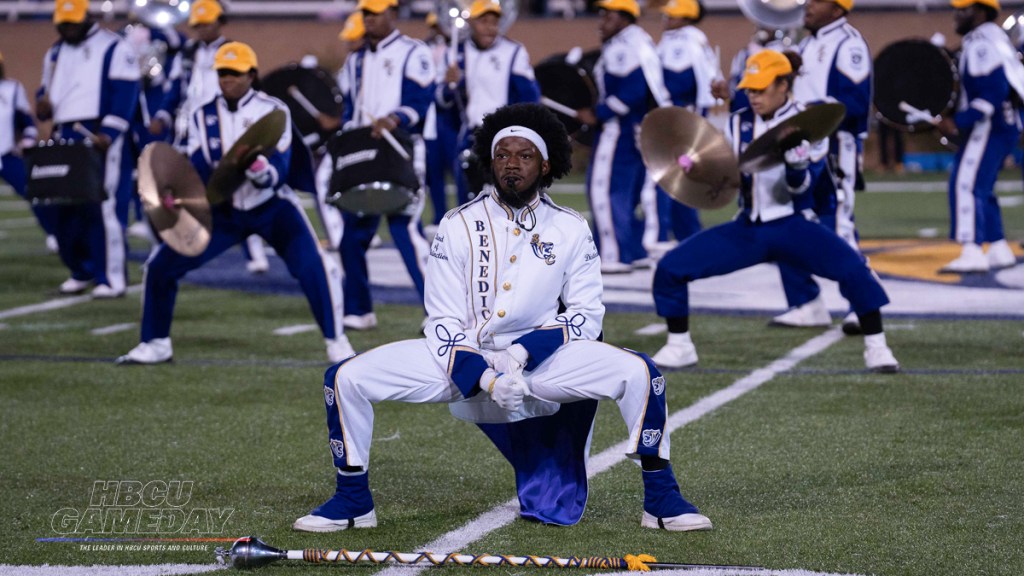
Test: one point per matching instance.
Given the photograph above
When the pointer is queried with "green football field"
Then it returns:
(803, 461)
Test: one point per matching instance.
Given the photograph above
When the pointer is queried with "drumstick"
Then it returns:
(81, 129)
(303, 101)
(558, 107)
(917, 114)
(386, 134)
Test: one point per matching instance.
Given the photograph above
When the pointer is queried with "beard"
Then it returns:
(515, 192)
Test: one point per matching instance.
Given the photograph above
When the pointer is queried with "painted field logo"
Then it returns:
(133, 507)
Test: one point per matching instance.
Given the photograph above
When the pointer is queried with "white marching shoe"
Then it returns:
(258, 263)
(156, 351)
(851, 324)
(105, 292)
(877, 355)
(813, 314)
(678, 352)
(313, 523)
(339, 349)
(366, 321)
(681, 523)
(72, 286)
(1000, 256)
(971, 260)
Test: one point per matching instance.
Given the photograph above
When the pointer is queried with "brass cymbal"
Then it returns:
(814, 123)
(689, 158)
(174, 199)
(230, 172)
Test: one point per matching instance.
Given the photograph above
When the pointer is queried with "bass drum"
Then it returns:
(369, 176)
(911, 75)
(63, 172)
(570, 82)
(308, 92)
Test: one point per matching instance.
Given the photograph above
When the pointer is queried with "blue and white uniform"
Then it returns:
(627, 73)
(989, 129)
(688, 64)
(495, 278)
(192, 81)
(836, 68)
(397, 77)
(775, 224)
(442, 146)
(16, 124)
(272, 212)
(491, 78)
(95, 83)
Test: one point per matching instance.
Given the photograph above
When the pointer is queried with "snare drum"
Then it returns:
(63, 172)
(369, 176)
(910, 75)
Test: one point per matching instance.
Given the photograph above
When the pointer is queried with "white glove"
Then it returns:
(511, 360)
(507, 390)
(799, 156)
(261, 172)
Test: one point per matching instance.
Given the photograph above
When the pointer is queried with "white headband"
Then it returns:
(522, 132)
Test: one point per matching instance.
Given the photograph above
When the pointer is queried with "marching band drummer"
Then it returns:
(263, 205)
(387, 84)
(775, 224)
(90, 90)
(989, 127)
(490, 71)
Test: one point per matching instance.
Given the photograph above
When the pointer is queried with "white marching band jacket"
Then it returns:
(495, 277)
(214, 129)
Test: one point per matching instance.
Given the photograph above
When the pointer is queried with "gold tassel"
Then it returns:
(638, 562)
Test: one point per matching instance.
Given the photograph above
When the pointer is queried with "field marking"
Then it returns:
(507, 512)
(112, 329)
(294, 329)
(652, 329)
(56, 304)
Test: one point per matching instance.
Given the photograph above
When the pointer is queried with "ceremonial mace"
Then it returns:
(251, 552)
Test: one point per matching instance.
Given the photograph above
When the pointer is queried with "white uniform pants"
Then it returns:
(406, 371)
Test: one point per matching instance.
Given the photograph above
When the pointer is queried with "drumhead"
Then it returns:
(567, 84)
(318, 87)
(918, 73)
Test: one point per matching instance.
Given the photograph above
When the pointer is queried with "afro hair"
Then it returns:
(535, 117)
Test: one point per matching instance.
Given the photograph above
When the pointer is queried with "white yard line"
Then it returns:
(55, 304)
(294, 329)
(507, 512)
(112, 329)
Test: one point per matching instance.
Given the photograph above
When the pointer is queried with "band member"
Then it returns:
(988, 127)
(490, 71)
(263, 205)
(495, 337)
(90, 90)
(192, 83)
(837, 68)
(627, 71)
(388, 84)
(771, 227)
(689, 65)
(18, 131)
(442, 148)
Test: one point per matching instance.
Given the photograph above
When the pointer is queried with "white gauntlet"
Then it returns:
(261, 172)
(511, 360)
(799, 156)
(507, 390)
